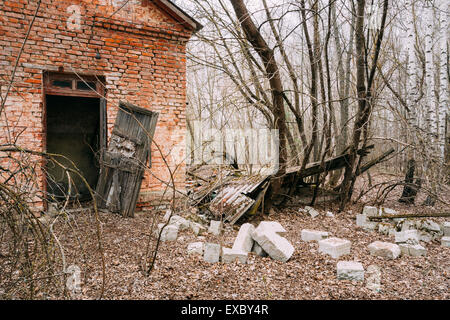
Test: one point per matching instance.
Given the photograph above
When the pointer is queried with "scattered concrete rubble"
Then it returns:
(384, 249)
(363, 222)
(313, 235)
(212, 252)
(267, 234)
(195, 248)
(215, 227)
(350, 270)
(415, 250)
(335, 247)
(311, 211)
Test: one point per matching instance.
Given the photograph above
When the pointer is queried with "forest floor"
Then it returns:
(307, 275)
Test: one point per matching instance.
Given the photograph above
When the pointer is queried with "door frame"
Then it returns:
(96, 89)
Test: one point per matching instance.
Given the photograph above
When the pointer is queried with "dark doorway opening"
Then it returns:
(74, 131)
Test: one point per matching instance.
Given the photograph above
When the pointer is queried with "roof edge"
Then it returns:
(178, 14)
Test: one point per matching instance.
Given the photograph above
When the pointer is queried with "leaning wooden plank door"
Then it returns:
(125, 159)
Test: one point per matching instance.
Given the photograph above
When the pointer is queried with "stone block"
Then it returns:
(330, 214)
(277, 247)
(371, 211)
(384, 249)
(384, 210)
(180, 222)
(313, 235)
(415, 250)
(231, 255)
(244, 241)
(430, 225)
(215, 227)
(361, 220)
(274, 226)
(311, 211)
(350, 270)
(335, 247)
(408, 236)
(446, 228)
(445, 242)
(169, 233)
(212, 252)
(259, 250)
(197, 228)
(195, 248)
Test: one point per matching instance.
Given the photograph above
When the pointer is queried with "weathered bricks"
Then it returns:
(384, 249)
(335, 247)
(350, 270)
(313, 235)
(268, 237)
(141, 62)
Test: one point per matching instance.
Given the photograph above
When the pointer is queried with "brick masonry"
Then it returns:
(143, 59)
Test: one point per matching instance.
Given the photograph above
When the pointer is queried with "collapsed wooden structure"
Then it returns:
(230, 195)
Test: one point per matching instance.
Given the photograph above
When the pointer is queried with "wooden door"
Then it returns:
(125, 160)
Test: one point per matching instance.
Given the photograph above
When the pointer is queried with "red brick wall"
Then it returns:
(142, 59)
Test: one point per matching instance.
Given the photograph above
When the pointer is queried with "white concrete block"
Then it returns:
(415, 250)
(169, 233)
(313, 235)
(167, 215)
(330, 214)
(311, 211)
(445, 242)
(384, 249)
(361, 220)
(195, 248)
(180, 222)
(425, 237)
(384, 210)
(215, 227)
(409, 236)
(386, 228)
(350, 270)
(258, 250)
(231, 255)
(244, 241)
(446, 228)
(335, 247)
(277, 247)
(430, 225)
(371, 211)
(197, 228)
(274, 226)
(212, 252)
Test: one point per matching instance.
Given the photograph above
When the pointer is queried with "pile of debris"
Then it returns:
(265, 240)
(408, 232)
(229, 194)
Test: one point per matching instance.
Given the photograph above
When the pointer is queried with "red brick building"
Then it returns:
(80, 51)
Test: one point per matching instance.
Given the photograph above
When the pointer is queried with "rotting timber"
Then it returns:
(228, 195)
